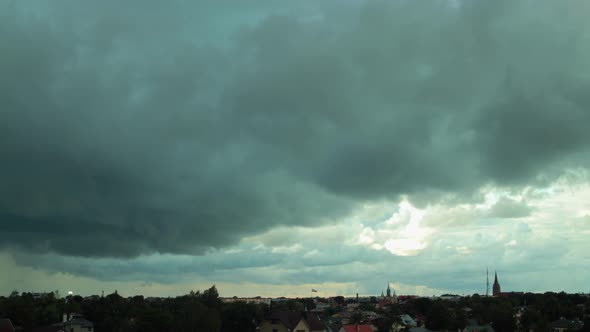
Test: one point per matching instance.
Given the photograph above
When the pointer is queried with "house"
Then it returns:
(407, 320)
(291, 321)
(6, 325)
(78, 325)
(356, 328)
(563, 325)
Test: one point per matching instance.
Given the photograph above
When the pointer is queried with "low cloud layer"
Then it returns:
(351, 257)
(174, 133)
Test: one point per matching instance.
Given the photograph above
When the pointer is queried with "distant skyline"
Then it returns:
(273, 147)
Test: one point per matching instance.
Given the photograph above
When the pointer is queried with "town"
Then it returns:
(207, 311)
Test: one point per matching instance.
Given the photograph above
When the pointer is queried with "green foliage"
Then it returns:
(356, 317)
(389, 316)
(291, 305)
(438, 317)
(532, 319)
(204, 311)
(367, 306)
(502, 317)
(241, 316)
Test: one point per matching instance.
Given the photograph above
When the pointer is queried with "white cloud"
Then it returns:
(429, 250)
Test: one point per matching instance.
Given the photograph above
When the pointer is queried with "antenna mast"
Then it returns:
(487, 283)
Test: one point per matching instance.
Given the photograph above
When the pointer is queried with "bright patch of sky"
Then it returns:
(447, 247)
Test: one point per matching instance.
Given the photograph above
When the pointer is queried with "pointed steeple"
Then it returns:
(496, 287)
(388, 290)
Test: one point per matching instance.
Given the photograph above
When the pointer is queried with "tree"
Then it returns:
(367, 306)
(241, 316)
(383, 324)
(458, 320)
(532, 320)
(586, 327)
(550, 307)
(438, 317)
(503, 318)
(210, 297)
(422, 305)
(356, 317)
(309, 304)
(390, 315)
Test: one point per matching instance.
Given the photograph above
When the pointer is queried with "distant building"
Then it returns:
(388, 299)
(450, 297)
(253, 300)
(496, 291)
(321, 306)
(391, 296)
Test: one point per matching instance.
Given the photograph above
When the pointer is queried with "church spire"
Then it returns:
(496, 287)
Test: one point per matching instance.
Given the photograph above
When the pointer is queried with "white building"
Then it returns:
(254, 300)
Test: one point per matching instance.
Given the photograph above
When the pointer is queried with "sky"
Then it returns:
(271, 147)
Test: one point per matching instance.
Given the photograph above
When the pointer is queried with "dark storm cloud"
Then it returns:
(177, 268)
(184, 127)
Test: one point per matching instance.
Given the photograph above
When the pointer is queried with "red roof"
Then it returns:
(357, 328)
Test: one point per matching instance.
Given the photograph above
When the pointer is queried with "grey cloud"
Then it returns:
(439, 266)
(174, 133)
(508, 208)
(239, 264)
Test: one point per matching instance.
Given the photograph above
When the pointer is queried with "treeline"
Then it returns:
(193, 312)
(204, 311)
(509, 313)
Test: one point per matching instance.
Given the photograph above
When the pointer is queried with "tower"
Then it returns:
(496, 287)
(388, 291)
(487, 283)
